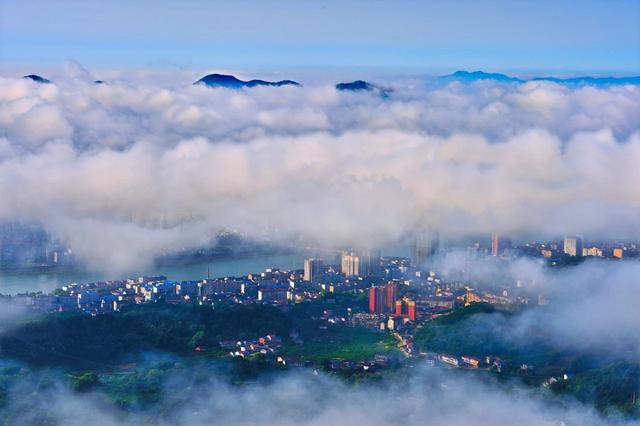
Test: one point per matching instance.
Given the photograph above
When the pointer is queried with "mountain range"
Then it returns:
(470, 77)
(231, 82)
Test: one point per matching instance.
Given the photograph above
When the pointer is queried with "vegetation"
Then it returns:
(345, 343)
(118, 354)
(80, 341)
(476, 330)
(613, 386)
(83, 342)
(482, 330)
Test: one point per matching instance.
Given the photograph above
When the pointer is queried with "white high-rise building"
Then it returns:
(313, 269)
(363, 263)
(350, 263)
(574, 245)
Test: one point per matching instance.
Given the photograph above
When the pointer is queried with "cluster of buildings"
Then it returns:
(575, 246)
(272, 286)
(378, 362)
(267, 345)
(464, 361)
(401, 293)
(400, 297)
(569, 250)
(398, 293)
(383, 300)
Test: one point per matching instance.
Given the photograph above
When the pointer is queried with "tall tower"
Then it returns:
(313, 269)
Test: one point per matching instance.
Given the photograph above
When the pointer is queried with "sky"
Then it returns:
(526, 37)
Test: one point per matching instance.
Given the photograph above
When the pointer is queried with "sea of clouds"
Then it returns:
(149, 163)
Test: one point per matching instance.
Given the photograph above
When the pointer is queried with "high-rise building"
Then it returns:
(369, 263)
(382, 299)
(499, 244)
(573, 246)
(350, 262)
(425, 245)
(363, 263)
(390, 291)
(313, 269)
(377, 303)
(406, 307)
(372, 299)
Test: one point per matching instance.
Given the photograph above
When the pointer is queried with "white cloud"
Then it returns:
(429, 397)
(144, 152)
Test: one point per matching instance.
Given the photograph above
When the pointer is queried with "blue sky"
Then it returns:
(525, 37)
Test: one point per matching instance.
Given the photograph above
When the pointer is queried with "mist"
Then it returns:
(148, 164)
(591, 307)
(430, 397)
(11, 311)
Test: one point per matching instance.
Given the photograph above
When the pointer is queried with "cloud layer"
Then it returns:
(591, 306)
(147, 163)
(430, 397)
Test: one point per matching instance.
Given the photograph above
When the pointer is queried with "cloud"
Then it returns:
(593, 309)
(148, 154)
(591, 306)
(429, 397)
(11, 311)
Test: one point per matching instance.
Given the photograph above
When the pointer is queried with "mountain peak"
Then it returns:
(480, 75)
(37, 78)
(355, 86)
(231, 82)
(361, 85)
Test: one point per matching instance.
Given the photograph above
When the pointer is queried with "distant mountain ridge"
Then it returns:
(467, 76)
(362, 86)
(470, 77)
(37, 78)
(231, 82)
(355, 86)
(587, 80)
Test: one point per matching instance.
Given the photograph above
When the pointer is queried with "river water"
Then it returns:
(11, 283)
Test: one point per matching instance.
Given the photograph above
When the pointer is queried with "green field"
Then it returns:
(344, 343)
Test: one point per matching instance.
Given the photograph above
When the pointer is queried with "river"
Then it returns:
(12, 283)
